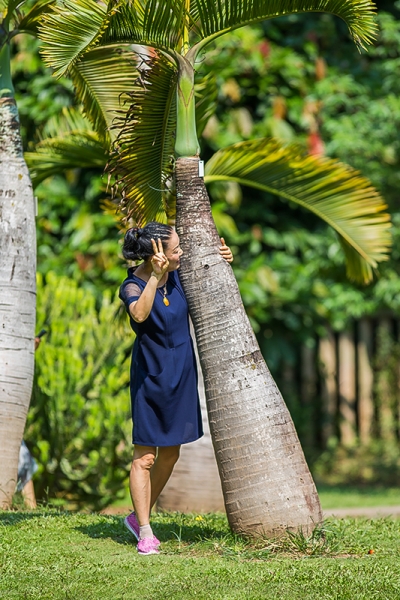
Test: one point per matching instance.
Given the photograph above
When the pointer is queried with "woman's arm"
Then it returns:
(140, 309)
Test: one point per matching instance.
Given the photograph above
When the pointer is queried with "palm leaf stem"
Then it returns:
(6, 86)
(186, 143)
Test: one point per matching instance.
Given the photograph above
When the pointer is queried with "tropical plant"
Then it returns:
(266, 482)
(17, 251)
(78, 426)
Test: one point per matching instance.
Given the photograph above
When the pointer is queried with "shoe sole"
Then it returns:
(126, 523)
(148, 553)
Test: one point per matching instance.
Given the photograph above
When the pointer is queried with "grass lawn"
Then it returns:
(357, 497)
(46, 554)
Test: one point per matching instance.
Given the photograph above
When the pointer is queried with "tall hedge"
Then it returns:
(78, 426)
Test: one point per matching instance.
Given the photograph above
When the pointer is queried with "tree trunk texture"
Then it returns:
(195, 485)
(17, 295)
(266, 483)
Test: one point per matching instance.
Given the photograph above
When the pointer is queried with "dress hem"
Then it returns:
(168, 445)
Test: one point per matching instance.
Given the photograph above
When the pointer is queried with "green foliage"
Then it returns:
(78, 424)
(377, 463)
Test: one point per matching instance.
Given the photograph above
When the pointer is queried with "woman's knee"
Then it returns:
(143, 458)
(169, 454)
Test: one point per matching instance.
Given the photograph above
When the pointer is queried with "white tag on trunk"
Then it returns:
(201, 168)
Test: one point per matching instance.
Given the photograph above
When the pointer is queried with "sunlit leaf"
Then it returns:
(142, 161)
(67, 142)
(70, 30)
(101, 78)
(216, 18)
(335, 192)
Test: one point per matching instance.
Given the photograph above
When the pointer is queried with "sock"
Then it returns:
(145, 532)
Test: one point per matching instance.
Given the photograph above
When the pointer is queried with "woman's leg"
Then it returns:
(139, 482)
(162, 469)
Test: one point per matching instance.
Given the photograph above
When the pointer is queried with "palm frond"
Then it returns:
(70, 30)
(101, 78)
(148, 22)
(7, 8)
(29, 22)
(335, 192)
(67, 142)
(142, 160)
(216, 18)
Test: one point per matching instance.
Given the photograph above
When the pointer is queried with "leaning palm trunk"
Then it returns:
(17, 295)
(266, 482)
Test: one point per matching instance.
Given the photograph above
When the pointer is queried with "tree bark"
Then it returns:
(266, 483)
(17, 295)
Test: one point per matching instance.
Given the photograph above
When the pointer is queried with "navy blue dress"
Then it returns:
(164, 396)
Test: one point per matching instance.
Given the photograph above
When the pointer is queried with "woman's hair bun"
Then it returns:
(137, 241)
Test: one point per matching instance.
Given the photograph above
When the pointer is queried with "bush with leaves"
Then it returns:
(78, 425)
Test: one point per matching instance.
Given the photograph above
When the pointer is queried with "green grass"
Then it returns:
(334, 497)
(46, 554)
(357, 497)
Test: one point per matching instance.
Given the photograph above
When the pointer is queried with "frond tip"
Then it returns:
(333, 191)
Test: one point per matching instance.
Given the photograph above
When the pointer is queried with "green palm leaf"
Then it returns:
(7, 8)
(67, 142)
(149, 22)
(142, 161)
(335, 192)
(101, 78)
(70, 30)
(216, 18)
(29, 23)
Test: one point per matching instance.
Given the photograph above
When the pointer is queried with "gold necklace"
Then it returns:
(165, 299)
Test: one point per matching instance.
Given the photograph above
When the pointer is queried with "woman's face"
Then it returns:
(173, 252)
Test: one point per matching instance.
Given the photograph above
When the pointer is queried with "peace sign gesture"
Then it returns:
(159, 261)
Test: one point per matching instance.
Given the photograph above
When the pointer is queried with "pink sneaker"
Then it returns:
(148, 546)
(132, 524)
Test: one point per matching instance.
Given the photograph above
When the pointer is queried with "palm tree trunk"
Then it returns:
(17, 295)
(266, 483)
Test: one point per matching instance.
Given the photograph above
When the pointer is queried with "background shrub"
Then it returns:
(78, 426)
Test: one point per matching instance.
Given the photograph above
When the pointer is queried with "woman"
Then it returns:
(165, 403)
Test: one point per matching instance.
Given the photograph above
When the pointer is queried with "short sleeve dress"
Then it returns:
(163, 383)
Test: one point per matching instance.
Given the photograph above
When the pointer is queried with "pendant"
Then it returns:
(166, 301)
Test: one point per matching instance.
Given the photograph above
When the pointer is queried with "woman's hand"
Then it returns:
(225, 251)
(159, 261)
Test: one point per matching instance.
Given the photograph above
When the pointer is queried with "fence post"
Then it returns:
(365, 380)
(328, 369)
(347, 388)
(308, 387)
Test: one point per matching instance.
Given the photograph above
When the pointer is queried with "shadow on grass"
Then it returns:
(13, 517)
(112, 527)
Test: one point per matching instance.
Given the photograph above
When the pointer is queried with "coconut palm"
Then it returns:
(266, 483)
(17, 253)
